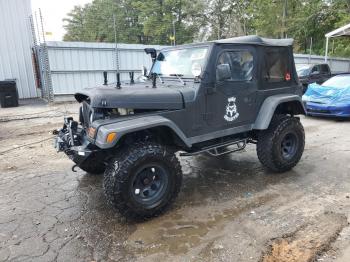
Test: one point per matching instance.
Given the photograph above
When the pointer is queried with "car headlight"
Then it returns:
(91, 132)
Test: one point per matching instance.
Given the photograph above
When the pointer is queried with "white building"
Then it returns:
(15, 46)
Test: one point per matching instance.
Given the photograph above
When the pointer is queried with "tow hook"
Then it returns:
(74, 167)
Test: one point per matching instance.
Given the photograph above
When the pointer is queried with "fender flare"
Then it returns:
(133, 125)
(269, 106)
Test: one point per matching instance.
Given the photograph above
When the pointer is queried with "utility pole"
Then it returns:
(310, 52)
(218, 31)
(284, 15)
(174, 32)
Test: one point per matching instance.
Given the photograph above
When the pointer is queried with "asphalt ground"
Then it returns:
(229, 209)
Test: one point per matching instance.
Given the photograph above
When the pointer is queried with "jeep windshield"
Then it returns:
(303, 71)
(186, 62)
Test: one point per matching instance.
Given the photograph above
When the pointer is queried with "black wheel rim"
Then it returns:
(289, 146)
(149, 184)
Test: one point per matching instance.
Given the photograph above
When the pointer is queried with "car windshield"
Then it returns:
(186, 62)
(303, 71)
(340, 81)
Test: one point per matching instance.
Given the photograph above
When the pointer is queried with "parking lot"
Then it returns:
(230, 208)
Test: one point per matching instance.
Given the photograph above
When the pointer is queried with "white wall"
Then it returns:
(15, 46)
(337, 64)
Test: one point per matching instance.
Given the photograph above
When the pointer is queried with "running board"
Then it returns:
(215, 149)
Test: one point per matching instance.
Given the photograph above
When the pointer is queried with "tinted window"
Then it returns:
(276, 67)
(324, 69)
(240, 62)
(315, 69)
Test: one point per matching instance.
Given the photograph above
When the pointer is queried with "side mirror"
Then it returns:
(152, 52)
(223, 72)
(314, 73)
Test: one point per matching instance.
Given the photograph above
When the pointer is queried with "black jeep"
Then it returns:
(213, 97)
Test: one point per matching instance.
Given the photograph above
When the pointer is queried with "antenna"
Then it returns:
(116, 52)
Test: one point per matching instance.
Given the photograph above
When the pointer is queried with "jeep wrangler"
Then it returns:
(213, 97)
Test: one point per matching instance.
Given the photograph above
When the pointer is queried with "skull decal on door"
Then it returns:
(231, 110)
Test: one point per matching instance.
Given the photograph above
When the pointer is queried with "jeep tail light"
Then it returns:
(287, 77)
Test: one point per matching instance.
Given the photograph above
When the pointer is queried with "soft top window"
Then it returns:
(276, 67)
(240, 63)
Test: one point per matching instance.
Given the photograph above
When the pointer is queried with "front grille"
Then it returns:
(86, 113)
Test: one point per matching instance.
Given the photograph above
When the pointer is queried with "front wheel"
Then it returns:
(143, 179)
(93, 166)
(281, 146)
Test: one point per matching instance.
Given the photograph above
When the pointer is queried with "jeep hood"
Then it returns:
(136, 97)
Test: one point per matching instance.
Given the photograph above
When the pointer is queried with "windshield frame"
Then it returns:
(181, 47)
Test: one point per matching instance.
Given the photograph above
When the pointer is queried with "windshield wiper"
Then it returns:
(179, 77)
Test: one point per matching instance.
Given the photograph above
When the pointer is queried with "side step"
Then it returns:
(219, 149)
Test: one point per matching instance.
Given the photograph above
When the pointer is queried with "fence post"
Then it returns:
(46, 64)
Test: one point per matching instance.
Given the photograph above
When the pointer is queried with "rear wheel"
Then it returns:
(143, 179)
(281, 146)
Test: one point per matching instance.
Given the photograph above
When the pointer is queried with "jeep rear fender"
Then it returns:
(138, 124)
(282, 103)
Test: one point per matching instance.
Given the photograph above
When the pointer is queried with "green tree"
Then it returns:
(138, 21)
(153, 21)
(75, 25)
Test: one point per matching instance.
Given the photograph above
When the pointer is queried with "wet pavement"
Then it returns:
(230, 208)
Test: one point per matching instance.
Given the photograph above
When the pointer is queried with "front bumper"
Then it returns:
(72, 141)
(316, 109)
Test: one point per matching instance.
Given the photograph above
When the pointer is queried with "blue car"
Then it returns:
(332, 98)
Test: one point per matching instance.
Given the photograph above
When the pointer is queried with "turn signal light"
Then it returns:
(110, 137)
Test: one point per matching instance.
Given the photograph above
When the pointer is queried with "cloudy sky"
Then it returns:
(53, 13)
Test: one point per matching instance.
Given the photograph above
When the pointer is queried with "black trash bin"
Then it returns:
(8, 93)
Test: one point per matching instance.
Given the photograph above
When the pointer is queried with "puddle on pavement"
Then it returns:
(214, 193)
(308, 242)
(184, 229)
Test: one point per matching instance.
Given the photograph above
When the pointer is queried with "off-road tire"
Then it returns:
(122, 170)
(93, 166)
(269, 146)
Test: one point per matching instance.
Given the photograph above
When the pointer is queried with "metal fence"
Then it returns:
(72, 66)
(76, 65)
(337, 65)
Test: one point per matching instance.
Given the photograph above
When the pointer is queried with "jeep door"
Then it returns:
(232, 104)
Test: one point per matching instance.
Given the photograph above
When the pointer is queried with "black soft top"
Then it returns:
(255, 40)
(245, 40)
